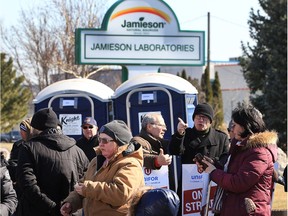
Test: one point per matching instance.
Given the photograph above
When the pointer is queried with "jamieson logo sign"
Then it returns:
(139, 32)
(141, 24)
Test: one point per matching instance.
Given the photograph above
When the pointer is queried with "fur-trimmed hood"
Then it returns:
(267, 139)
(264, 139)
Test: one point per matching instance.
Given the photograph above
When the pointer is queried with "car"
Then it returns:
(10, 137)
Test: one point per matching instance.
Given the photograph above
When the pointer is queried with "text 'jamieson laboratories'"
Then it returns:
(143, 47)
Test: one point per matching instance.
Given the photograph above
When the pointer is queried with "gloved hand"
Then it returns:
(199, 158)
(66, 209)
(210, 166)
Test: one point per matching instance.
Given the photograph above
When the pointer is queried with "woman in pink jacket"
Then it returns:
(247, 179)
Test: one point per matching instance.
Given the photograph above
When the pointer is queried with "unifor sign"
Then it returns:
(139, 32)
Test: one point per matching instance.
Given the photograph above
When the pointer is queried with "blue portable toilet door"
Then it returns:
(71, 109)
(149, 99)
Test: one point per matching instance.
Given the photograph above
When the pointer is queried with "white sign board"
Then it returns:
(140, 32)
(71, 124)
(194, 191)
(156, 178)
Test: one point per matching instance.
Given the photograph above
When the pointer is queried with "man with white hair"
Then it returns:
(155, 147)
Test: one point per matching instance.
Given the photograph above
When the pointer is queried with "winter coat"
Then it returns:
(108, 187)
(248, 182)
(13, 160)
(88, 146)
(49, 165)
(8, 194)
(213, 144)
(151, 147)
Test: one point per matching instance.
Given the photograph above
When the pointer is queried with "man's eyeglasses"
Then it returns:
(104, 140)
(159, 125)
(201, 117)
(86, 127)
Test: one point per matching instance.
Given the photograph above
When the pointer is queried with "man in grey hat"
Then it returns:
(49, 165)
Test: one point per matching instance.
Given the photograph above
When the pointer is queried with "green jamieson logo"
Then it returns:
(142, 24)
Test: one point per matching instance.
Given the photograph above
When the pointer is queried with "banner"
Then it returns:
(195, 190)
(156, 178)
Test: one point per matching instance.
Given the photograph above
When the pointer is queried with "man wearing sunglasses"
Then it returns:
(89, 139)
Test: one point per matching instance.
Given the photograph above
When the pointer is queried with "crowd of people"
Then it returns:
(101, 173)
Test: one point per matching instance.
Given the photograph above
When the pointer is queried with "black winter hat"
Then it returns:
(118, 131)
(44, 118)
(204, 109)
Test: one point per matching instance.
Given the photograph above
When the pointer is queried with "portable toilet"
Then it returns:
(168, 94)
(75, 99)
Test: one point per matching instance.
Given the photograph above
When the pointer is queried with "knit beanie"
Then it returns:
(203, 109)
(25, 125)
(118, 131)
(44, 118)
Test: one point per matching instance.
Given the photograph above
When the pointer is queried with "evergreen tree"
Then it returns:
(206, 86)
(210, 94)
(217, 103)
(184, 75)
(265, 65)
(14, 96)
(195, 83)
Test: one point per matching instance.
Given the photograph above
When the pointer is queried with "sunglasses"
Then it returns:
(104, 140)
(86, 127)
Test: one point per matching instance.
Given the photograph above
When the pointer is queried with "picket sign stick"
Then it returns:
(175, 172)
(207, 198)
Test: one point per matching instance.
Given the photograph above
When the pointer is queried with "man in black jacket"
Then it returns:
(49, 165)
(89, 139)
(202, 138)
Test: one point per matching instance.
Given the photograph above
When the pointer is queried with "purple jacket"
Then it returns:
(249, 175)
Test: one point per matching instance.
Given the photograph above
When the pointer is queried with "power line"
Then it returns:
(219, 18)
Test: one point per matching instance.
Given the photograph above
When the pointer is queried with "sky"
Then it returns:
(228, 21)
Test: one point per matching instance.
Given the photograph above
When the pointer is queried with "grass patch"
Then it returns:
(280, 198)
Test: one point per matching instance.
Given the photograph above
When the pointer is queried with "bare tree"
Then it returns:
(42, 44)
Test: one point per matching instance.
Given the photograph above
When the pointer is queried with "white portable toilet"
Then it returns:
(169, 94)
(75, 99)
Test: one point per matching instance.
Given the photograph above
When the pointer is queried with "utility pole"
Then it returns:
(208, 45)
